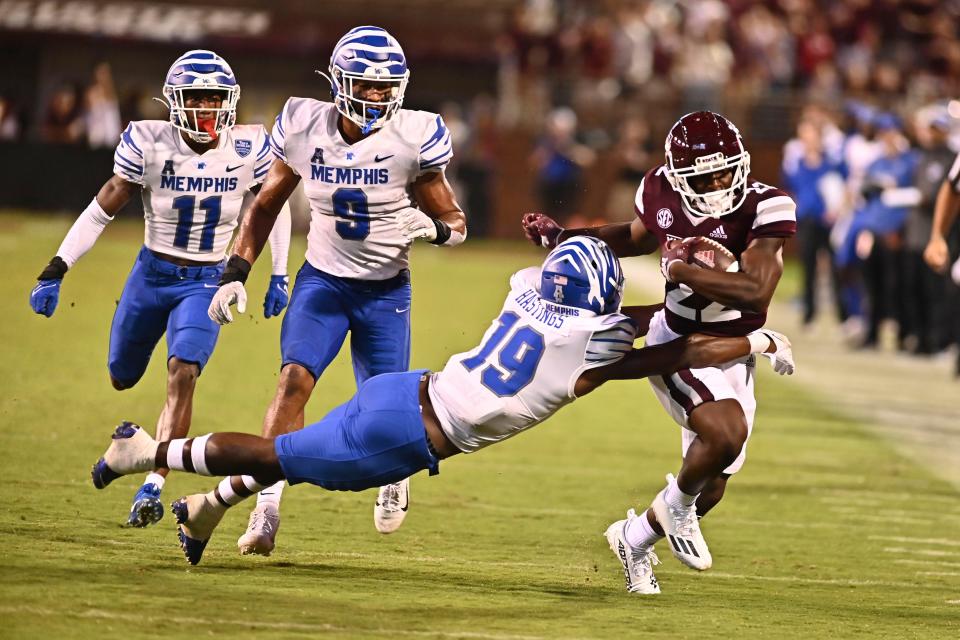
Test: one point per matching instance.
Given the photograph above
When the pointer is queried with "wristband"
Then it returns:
(55, 270)
(443, 232)
(237, 270)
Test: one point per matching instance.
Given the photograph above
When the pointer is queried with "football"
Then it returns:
(710, 254)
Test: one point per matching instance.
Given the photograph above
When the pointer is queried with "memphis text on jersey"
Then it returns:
(198, 183)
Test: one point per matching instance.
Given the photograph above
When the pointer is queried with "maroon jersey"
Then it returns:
(766, 212)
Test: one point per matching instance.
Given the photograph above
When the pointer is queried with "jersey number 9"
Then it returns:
(350, 206)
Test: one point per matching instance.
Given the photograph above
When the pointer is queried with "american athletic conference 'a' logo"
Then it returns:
(243, 147)
(664, 218)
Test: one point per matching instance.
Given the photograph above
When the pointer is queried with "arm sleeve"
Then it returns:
(84, 233)
(611, 343)
(280, 241)
(264, 159)
(436, 149)
(278, 137)
(128, 158)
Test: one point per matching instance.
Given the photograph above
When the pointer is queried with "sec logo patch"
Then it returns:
(664, 218)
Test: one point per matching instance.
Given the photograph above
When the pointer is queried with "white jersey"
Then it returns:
(526, 368)
(191, 202)
(356, 190)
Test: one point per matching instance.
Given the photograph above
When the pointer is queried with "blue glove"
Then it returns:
(45, 296)
(277, 296)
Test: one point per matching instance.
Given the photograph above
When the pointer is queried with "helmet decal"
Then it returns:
(582, 272)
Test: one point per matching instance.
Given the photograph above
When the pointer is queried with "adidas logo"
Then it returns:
(682, 544)
(719, 233)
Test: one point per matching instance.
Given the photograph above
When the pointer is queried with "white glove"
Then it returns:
(414, 224)
(782, 358)
(226, 295)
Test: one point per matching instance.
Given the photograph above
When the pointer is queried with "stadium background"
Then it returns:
(849, 503)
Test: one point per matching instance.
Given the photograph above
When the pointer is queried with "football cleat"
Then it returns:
(391, 507)
(637, 563)
(147, 508)
(130, 451)
(682, 529)
(260, 538)
(197, 519)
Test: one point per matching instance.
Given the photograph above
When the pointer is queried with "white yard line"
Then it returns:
(943, 541)
(935, 563)
(936, 553)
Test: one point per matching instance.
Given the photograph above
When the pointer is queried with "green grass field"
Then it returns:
(827, 532)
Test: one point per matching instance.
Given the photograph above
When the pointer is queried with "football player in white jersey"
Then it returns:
(195, 173)
(559, 335)
(374, 176)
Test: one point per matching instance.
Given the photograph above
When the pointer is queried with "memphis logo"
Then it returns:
(346, 175)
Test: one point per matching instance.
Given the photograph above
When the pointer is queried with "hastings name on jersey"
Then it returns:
(525, 368)
(191, 202)
(766, 212)
(356, 190)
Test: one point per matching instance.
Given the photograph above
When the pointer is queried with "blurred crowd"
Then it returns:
(865, 185)
(74, 113)
(597, 55)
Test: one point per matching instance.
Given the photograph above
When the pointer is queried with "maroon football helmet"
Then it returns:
(701, 143)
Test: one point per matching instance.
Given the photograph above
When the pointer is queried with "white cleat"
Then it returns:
(682, 529)
(260, 537)
(197, 518)
(131, 450)
(637, 563)
(391, 508)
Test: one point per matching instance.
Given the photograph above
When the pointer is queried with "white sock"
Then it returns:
(155, 478)
(225, 495)
(271, 494)
(677, 498)
(638, 532)
(196, 463)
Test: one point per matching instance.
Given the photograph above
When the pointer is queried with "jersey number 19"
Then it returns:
(519, 353)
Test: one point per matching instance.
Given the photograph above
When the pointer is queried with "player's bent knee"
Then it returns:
(181, 373)
(295, 379)
(118, 384)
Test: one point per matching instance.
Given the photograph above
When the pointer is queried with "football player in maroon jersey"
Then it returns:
(702, 189)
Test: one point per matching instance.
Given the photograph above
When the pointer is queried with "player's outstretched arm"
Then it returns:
(625, 238)
(749, 289)
(690, 352)
(440, 220)
(641, 315)
(936, 254)
(115, 193)
(254, 231)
